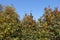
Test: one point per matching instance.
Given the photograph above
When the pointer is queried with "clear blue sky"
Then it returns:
(37, 6)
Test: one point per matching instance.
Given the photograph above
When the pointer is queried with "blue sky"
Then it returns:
(37, 6)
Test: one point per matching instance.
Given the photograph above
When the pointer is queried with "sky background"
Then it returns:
(36, 6)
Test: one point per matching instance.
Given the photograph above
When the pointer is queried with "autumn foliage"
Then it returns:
(13, 28)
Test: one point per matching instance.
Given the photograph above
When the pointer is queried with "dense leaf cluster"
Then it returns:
(12, 28)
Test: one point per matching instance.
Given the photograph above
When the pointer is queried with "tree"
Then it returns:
(46, 28)
(9, 24)
(52, 21)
